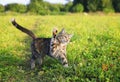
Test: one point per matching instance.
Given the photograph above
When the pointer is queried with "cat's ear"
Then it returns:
(63, 30)
(55, 32)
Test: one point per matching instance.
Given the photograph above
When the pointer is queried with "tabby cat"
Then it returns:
(54, 47)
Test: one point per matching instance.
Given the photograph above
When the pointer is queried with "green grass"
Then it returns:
(93, 53)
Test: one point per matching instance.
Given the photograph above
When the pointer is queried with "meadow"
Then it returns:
(93, 53)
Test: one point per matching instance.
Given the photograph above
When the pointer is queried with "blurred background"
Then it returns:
(45, 7)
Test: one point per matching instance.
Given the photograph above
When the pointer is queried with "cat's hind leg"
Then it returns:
(32, 62)
(40, 60)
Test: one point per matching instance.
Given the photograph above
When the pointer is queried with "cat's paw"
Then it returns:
(66, 65)
(32, 66)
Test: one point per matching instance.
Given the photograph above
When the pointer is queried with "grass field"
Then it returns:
(93, 53)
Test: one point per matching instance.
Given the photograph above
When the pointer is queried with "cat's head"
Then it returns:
(62, 37)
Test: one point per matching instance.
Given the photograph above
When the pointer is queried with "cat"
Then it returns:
(54, 47)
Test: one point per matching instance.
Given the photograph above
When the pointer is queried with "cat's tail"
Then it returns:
(30, 33)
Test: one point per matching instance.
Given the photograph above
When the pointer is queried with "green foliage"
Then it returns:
(107, 3)
(68, 7)
(44, 8)
(107, 6)
(16, 8)
(2, 8)
(32, 1)
(83, 2)
(78, 8)
(99, 5)
(108, 10)
(39, 8)
(77, 1)
(55, 8)
(94, 5)
(116, 5)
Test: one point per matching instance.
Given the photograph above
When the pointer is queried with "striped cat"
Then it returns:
(54, 47)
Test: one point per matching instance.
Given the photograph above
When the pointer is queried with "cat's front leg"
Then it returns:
(63, 60)
(65, 63)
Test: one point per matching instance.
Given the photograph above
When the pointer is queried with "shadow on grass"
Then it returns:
(7, 59)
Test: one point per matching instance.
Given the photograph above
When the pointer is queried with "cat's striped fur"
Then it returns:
(54, 47)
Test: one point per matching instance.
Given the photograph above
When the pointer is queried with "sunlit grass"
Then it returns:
(93, 53)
